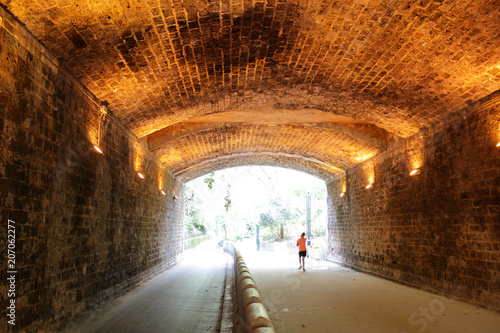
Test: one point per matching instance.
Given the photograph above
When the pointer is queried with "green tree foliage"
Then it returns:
(193, 219)
(277, 216)
(317, 204)
(227, 202)
(227, 198)
(209, 180)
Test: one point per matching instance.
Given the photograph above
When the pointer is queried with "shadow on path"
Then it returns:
(184, 298)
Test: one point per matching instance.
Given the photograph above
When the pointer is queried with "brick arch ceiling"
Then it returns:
(367, 72)
(324, 148)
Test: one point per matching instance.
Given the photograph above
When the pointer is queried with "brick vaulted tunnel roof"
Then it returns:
(315, 85)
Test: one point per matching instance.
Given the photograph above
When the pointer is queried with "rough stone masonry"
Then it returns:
(355, 92)
(438, 230)
(87, 227)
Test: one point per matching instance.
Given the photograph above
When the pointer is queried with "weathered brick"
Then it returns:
(86, 227)
(435, 230)
(418, 58)
(391, 68)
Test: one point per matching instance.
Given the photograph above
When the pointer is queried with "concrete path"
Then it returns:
(185, 298)
(332, 299)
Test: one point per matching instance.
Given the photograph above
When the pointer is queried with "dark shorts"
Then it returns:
(302, 253)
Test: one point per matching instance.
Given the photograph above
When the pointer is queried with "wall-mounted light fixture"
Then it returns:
(369, 173)
(175, 197)
(498, 144)
(415, 172)
(140, 175)
(104, 112)
(162, 192)
(343, 184)
(97, 149)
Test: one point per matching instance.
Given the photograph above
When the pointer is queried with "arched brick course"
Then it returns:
(400, 66)
(337, 151)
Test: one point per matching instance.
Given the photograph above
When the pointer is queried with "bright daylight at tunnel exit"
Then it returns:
(264, 207)
(250, 166)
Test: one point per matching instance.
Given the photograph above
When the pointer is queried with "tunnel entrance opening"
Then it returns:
(262, 207)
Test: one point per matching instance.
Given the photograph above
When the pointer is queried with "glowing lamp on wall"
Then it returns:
(415, 172)
(498, 144)
(342, 194)
(369, 186)
(97, 149)
(140, 175)
(162, 193)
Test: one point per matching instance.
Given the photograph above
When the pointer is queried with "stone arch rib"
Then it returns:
(305, 164)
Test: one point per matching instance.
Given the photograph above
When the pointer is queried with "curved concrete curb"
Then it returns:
(253, 317)
(257, 316)
(264, 330)
(251, 295)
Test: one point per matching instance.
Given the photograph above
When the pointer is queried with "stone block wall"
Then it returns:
(438, 230)
(86, 226)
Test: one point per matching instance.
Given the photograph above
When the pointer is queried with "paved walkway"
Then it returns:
(332, 299)
(326, 298)
(185, 298)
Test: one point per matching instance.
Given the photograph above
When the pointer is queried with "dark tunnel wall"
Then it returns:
(438, 230)
(86, 226)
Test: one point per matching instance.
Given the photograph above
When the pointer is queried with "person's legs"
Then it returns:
(302, 262)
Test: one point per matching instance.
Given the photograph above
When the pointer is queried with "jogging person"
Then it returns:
(301, 243)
